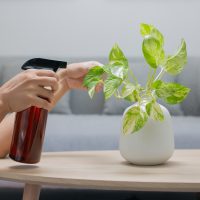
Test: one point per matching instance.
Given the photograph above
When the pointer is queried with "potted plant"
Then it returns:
(147, 135)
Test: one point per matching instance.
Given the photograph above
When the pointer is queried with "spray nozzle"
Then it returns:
(41, 63)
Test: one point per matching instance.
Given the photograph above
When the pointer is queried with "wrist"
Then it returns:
(63, 79)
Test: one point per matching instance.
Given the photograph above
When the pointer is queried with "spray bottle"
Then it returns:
(30, 124)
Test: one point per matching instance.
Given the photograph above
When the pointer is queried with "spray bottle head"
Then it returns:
(41, 63)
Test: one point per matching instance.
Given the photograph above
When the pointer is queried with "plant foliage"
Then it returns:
(116, 77)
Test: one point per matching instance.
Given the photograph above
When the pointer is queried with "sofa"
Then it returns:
(80, 123)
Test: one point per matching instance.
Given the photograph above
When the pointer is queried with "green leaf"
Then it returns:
(130, 98)
(134, 119)
(119, 69)
(93, 74)
(128, 92)
(140, 121)
(175, 64)
(157, 113)
(91, 87)
(153, 51)
(171, 93)
(149, 108)
(154, 111)
(118, 63)
(93, 77)
(111, 84)
(145, 29)
(106, 68)
(158, 35)
(116, 54)
(157, 84)
(133, 97)
(127, 89)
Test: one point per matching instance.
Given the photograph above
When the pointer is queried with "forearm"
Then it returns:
(6, 131)
(3, 111)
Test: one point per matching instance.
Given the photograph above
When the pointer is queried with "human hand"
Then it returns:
(27, 89)
(72, 78)
(74, 74)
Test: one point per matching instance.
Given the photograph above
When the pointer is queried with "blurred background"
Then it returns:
(89, 28)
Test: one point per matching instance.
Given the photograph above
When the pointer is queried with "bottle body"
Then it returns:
(28, 135)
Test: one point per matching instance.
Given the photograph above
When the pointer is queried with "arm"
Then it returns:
(22, 91)
(6, 130)
(70, 78)
(3, 111)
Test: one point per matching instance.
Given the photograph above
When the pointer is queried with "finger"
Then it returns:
(48, 73)
(93, 64)
(77, 70)
(41, 103)
(45, 94)
(76, 84)
(46, 82)
(99, 87)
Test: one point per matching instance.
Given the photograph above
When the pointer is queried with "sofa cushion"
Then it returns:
(82, 104)
(186, 130)
(115, 106)
(81, 132)
(12, 68)
(62, 106)
(101, 132)
(190, 78)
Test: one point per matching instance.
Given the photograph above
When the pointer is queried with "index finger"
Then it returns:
(77, 70)
(46, 72)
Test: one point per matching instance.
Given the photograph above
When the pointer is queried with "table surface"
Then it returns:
(107, 170)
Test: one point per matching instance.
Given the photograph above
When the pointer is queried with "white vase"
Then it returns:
(151, 145)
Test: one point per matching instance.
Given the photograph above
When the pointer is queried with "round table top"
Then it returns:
(107, 170)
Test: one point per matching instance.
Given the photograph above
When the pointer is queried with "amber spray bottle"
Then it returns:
(30, 124)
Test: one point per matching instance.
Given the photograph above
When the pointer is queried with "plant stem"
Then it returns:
(160, 75)
(150, 79)
(133, 76)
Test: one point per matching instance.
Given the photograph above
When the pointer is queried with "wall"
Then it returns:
(88, 28)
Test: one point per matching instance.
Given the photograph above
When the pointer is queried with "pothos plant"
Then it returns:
(116, 78)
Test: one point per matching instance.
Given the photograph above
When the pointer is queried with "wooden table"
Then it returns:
(104, 170)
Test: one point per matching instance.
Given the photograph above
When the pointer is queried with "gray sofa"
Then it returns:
(79, 123)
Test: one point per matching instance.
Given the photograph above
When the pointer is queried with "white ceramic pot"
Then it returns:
(151, 145)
